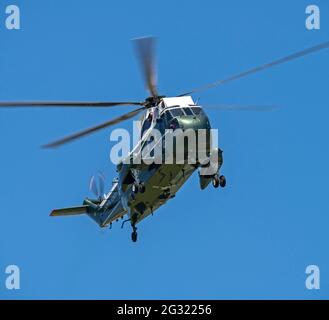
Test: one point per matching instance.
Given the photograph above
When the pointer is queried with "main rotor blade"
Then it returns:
(294, 56)
(240, 107)
(86, 132)
(145, 49)
(83, 104)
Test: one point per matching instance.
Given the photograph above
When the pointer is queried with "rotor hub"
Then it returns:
(151, 102)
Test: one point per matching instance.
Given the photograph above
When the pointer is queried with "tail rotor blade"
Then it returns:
(93, 186)
(101, 184)
(97, 185)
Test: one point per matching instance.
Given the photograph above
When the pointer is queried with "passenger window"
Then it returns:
(146, 125)
(146, 144)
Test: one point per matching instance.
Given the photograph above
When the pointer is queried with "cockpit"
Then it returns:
(172, 113)
(176, 112)
(169, 114)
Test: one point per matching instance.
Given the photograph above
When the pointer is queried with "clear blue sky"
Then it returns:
(253, 239)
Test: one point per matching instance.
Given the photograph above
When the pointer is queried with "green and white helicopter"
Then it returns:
(141, 188)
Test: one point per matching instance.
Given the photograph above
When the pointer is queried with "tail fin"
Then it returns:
(69, 211)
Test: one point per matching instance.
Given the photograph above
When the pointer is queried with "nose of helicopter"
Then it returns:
(194, 122)
(199, 124)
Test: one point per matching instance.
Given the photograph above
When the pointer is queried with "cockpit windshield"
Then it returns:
(177, 112)
(168, 116)
(197, 110)
(188, 111)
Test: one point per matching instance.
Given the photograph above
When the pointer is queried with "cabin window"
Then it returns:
(146, 125)
(146, 145)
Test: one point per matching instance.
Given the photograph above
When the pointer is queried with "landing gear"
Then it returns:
(218, 181)
(134, 188)
(215, 181)
(141, 187)
(222, 181)
(138, 187)
(134, 234)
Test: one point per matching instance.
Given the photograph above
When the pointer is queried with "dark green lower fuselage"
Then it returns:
(161, 181)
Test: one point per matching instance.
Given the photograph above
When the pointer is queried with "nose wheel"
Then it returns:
(134, 234)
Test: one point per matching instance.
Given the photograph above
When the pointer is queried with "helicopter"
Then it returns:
(142, 187)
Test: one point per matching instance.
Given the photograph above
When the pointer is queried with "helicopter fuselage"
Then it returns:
(141, 188)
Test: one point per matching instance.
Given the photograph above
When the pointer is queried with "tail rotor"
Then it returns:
(97, 185)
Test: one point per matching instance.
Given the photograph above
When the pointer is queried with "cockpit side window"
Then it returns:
(167, 115)
(188, 111)
(197, 110)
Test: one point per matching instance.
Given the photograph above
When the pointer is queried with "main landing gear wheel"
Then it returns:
(222, 181)
(215, 181)
(219, 181)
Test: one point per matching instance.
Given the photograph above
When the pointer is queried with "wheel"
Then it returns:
(215, 181)
(134, 236)
(141, 187)
(135, 188)
(222, 181)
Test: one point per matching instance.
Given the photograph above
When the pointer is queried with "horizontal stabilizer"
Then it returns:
(69, 211)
